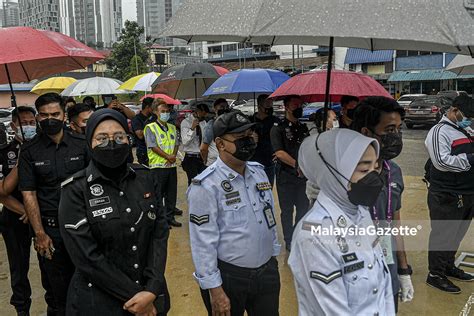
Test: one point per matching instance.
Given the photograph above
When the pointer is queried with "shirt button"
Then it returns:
(254, 203)
(137, 282)
(152, 206)
(376, 314)
(121, 193)
(235, 206)
(89, 285)
(370, 266)
(358, 244)
(128, 210)
(132, 229)
(375, 290)
(135, 266)
(259, 222)
(134, 248)
(354, 277)
(104, 216)
(247, 187)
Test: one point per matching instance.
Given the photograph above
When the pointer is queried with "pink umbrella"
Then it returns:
(167, 99)
(221, 70)
(311, 86)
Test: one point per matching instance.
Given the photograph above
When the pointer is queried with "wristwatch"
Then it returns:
(407, 271)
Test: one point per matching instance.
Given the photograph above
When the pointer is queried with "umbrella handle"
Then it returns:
(13, 98)
(328, 83)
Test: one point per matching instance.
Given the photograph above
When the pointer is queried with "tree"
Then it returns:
(136, 63)
(120, 60)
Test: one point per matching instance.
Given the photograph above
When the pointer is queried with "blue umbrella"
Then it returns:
(255, 81)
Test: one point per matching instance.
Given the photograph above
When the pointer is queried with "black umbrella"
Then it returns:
(186, 81)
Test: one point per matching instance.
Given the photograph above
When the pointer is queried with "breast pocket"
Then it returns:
(357, 286)
(43, 168)
(234, 215)
(149, 210)
(105, 220)
(74, 163)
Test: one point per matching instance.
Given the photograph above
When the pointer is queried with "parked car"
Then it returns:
(451, 94)
(426, 110)
(310, 109)
(407, 99)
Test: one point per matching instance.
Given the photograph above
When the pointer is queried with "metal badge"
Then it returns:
(96, 190)
(151, 215)
(11, 155)
(226, 186)
(342, 244)
(341, 221)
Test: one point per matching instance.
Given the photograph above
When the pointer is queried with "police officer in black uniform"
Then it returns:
(15, 228)
(114, 229)
(50, 158)
(291, 184)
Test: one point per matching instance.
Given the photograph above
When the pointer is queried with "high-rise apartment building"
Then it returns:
(9, 14)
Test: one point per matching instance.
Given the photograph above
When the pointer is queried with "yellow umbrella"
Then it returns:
(53, 84)
(141, 82)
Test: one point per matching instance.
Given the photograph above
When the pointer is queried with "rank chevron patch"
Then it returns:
(199, 220)
(326, 278)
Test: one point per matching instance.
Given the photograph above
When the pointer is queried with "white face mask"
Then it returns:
(28, 131)
(335, 124)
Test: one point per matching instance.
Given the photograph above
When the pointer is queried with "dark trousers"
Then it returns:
(167, 185)
(291, 194)
(450, 215)
(192, 164)
(17, 243)
(142, 157)
(256, 291)
(56, 274)
(270, 171)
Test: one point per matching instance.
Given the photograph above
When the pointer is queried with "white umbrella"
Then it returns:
(462, 65)
(94, 86)
(141, 82)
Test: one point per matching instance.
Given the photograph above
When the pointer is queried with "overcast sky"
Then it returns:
(129, 10)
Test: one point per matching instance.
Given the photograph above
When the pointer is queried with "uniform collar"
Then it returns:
(93, 173)
(49, 142)
(230, 173)
(339, 218)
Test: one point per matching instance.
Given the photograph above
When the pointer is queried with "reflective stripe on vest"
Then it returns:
(166, 141)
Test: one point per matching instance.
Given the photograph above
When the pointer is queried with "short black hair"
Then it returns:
(261, 99)
(203, 107)
(369, 111)
(219, 101)
(69, 99)
(348, 98)
(87, 99)
(288, 98)
(147, 102)
(49, 98)
(77, 109)
(22, 109)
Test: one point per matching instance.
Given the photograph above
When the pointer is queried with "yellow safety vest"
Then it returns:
(165, 140)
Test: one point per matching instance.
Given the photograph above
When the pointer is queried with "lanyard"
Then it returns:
(389, 202)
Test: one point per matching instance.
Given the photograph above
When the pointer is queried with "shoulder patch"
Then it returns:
(325, 278)
(200, 177)
(255, 164)
(67, 181)
(77, 175)
(198, 220)
(137, 166)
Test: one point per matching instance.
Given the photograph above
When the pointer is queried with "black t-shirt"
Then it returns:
(138, 123)
(45, 164)
(264, 151)
(8, 161)
(288, 136)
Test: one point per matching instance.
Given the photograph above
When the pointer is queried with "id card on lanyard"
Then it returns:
(386, 241)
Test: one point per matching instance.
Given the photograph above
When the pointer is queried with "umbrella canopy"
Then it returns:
(94, 86)
(30, 54)
(186, 81)
(221, 70)
(462, 65)
(141, 82)
(53, 84)
(311, 86)
(248, 80)
(166, 98)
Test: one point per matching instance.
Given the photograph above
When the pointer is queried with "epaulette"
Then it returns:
(137, 166)
(198, 179)
(77, 175)
(255, 164)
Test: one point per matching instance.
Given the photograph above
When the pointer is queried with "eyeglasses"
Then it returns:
(119, 138)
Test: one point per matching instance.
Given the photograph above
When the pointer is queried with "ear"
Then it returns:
(366, 132)
(219, 143)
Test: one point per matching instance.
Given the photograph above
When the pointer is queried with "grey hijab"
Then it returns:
(342, 149)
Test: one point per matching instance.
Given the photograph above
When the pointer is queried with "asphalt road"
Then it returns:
(414, 155)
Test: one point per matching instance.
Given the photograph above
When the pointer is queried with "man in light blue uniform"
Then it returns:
(232, 226)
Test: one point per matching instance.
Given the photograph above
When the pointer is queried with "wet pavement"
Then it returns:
(184, 290)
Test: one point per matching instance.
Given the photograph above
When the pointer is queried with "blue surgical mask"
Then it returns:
(465, 123)
(164, 117)
(28, 131)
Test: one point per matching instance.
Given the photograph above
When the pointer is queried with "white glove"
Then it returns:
(407, 287)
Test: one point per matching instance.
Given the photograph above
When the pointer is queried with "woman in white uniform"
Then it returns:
(336, 272)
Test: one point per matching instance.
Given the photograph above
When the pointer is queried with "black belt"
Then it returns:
(192, 155)
(51, 221)
(241, 271)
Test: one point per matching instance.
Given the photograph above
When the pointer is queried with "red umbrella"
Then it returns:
(29, 54)
(167, 99)
(221, 70)
(311, 86)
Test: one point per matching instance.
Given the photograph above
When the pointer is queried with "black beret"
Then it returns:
(232, 122)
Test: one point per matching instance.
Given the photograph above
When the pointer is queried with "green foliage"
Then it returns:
(123, 52)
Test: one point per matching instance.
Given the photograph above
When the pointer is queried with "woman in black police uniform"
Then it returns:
(113, 229)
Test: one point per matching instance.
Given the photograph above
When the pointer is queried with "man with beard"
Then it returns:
(50, 158)
(382, 118)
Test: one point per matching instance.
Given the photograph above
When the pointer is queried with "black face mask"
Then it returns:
(350, 113)
(392, 145)
(366, 191)
(222, 111)
(51, 126)
(297, 113)
(244, 148)
(268, 111)
(111, 156)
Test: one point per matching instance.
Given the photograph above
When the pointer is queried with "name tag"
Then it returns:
(75, 158)
(269, 217)
(99, 201)
(42, 163)
(102, 211)
(354, 267)
(349, 257)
